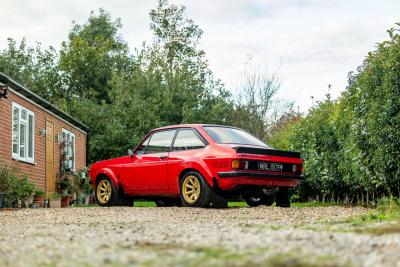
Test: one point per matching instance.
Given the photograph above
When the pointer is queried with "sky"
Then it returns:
(312, 43)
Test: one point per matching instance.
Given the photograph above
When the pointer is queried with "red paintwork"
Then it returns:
(149, 175)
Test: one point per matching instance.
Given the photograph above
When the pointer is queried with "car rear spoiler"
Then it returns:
(266, 151)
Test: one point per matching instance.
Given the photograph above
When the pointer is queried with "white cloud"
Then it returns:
(315, 42)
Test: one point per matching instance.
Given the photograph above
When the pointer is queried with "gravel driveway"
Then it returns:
(119, 236)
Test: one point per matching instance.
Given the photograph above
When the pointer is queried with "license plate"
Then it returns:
(266, 166)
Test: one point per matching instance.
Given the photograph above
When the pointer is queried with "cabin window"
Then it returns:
(23, 129)
(68, 150)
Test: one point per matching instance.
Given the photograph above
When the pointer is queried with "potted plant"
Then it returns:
(64, 185)
(83, 188)
(65, 201)
(39, 197)
(55, 200)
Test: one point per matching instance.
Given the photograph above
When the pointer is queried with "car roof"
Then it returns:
(191, 125)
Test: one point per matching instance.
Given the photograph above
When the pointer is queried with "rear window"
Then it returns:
(226, 135)
(187, 139)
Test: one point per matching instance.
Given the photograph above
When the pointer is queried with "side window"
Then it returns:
(23, 129)
(160, 142)
(187, 139)
(143, 147)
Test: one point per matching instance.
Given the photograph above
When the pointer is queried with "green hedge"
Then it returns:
(351, 145)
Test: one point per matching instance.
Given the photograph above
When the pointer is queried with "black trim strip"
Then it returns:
(232, 174)
(266, 151)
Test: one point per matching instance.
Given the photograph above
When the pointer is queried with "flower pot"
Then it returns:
(65, 202)
(27, 203)
(55, 203)
(39, 201)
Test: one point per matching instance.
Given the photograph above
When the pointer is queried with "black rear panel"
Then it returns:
(266, 151)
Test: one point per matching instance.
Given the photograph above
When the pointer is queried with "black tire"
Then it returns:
(261, 199)
(116, 198)
(168, 202)
(206, 197)
(105, 182)
(124, 200)
(282, 197)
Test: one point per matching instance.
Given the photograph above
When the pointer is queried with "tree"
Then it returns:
(121, 96)
(281, 131)
(257, 99)
(185, 88)
(35, 68)
(92, 53)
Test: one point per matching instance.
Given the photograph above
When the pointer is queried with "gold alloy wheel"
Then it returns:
(191, 189)
(104, 191)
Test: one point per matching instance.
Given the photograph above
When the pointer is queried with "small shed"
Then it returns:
(39, 137)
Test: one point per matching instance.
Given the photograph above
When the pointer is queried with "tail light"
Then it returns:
(240, 164)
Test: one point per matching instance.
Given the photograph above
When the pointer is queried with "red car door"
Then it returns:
(147, 171)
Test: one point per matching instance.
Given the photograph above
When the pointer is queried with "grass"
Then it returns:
(388, 209)
(241, 204)
(314, 204)
(194, 255)
(231, 204)
(381, 220)
(144, 204)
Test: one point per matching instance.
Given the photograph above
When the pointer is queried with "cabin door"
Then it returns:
(50, 171)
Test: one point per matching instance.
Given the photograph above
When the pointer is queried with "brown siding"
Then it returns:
(36, 172)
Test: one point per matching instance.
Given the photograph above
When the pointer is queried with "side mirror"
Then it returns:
(130, 152)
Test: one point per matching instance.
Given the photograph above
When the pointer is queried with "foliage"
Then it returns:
(34, 67)
(15, 186)
(55, 196)
(350, 145)
(92, 53)
(39, 193)
(282, 129)
(374, 104)
(389, 208)
(64, 184)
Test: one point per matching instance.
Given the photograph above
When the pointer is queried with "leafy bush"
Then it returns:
(350, 145)
(16, 187)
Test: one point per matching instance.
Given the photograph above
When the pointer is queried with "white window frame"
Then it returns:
(25, 122)
(67, 132)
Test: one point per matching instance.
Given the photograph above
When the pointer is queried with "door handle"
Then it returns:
(163, 156)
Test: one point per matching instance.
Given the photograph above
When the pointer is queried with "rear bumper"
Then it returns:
(232, 179)
(232, 174)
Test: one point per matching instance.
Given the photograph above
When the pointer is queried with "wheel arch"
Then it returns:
(187, 170)
(109, 174)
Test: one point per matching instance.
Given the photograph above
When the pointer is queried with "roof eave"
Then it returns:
(40, 101)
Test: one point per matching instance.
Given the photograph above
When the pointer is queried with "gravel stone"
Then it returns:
(123, 236)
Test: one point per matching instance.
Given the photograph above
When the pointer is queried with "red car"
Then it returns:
(198, 165)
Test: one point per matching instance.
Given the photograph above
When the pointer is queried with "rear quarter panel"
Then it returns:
(207, 161)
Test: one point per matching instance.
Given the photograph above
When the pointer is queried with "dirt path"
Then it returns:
(261, 236)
